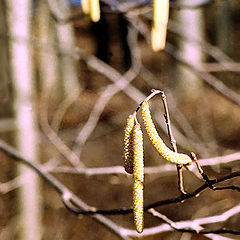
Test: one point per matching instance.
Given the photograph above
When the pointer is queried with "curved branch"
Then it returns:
(61, 189)
(178, 199)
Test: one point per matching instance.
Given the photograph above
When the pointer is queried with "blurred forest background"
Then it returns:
(67, 86)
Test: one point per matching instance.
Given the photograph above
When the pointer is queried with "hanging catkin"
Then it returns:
(138, 177)
(158, 143)
(128, 150)
(85, 6)
(95, 10)
(160, 21)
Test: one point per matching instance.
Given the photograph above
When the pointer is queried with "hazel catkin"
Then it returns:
(138, 177)
(160, 21)
(95, 10)
(85, 6)
(157, 142)
(128, 150)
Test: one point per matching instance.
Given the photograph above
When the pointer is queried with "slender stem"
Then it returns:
(173, 142)
(167, 119)
(204, 176)
(152, 94)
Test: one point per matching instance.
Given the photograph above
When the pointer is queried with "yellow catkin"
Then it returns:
(95, 10)
(157, 142)
(138, 177)
(160, 21)
(128, 151)
(85, 6)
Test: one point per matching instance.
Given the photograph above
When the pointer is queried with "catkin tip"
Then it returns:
(138, 178)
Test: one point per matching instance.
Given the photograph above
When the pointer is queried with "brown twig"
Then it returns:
(197, 229)
(173, 142)
(66, 194)
(70, 200)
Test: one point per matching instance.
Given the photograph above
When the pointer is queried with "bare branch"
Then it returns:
(163, 170)
(208, 78)
(61, 189)
(194, 224)
(192, 227)
(220, 67)
(108, 93)
(178, 199)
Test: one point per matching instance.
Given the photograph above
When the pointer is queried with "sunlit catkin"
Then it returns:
(95, 10)
(160, 21)
(128, 150)
(158, 143)
(85, 6)
(138, 177)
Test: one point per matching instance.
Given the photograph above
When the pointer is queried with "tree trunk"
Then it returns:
(191, 22)
(19, 20)
(65, 36)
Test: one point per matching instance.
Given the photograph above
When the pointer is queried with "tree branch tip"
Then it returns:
(93, 209)
(156, 91)
(67, 196)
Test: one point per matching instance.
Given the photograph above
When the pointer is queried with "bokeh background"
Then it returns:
(67, 86)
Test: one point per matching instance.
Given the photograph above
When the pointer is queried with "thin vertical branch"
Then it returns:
(173, 142)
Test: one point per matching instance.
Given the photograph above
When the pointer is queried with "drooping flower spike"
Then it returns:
(95, 10)
(128, 148)
(91, 7)
(157, 142)
(160, 21)
(85, 4)
(138, 178)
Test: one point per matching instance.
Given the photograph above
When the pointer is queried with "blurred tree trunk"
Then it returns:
(4, 80)
(19, 20)
(65, 36)
(223, 25)
(191, 20)
(67, 65)
(49, 69)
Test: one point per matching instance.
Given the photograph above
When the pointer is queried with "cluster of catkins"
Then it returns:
(133, 157)
(91, 7)
(159, 22)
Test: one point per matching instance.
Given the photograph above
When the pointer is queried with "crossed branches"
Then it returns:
(74, 204)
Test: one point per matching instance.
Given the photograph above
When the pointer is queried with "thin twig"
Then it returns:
(61, 189)
(211, 80)
(194, 224)
(173, 142)
(192, 228)
(119, 84)
(68, 196)
(178, 199)
(108, 93)
(98, 66)
(220, 67)
(53, 137)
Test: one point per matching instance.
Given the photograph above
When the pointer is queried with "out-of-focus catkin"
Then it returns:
(128, 148)
(157, 142)
(95, 10)
(138, 177)
(160, 21)
(85, 6)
